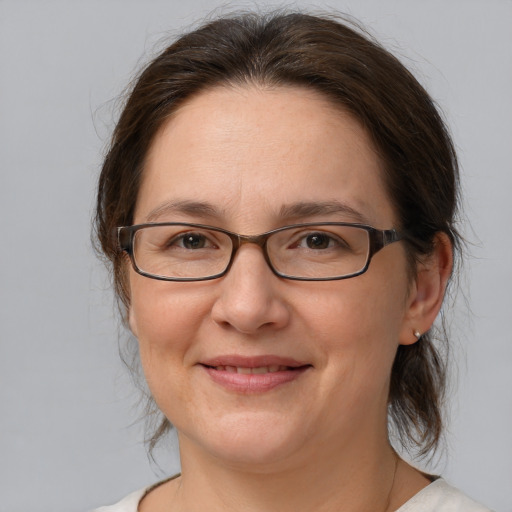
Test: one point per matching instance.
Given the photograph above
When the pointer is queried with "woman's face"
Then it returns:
(250, 160)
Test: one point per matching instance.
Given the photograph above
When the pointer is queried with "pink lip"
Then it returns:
(253, 383)
(252, 362)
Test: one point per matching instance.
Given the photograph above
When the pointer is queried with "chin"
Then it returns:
(254, 440)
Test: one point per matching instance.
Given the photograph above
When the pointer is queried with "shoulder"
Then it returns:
(128, 504)
(440, 496)
(132, 501)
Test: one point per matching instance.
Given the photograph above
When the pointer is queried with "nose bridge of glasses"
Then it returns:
(259, 240)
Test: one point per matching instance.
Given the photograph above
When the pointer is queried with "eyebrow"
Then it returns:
(296, 211)
(185, 207)
(302, 210)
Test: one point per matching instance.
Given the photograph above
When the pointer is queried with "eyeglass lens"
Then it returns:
(183, 251)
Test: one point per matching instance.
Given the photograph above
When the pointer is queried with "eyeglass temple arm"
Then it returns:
(123, 236)
(381, 238)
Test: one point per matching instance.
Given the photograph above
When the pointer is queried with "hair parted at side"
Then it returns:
(336, 58)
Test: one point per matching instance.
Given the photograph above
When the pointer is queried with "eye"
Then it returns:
(192, 241)
(318, 241)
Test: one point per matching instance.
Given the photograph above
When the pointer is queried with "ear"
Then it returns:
(124, 279)
(132, 322)
(427, 290)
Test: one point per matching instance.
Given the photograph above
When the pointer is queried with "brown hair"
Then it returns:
(347, 66)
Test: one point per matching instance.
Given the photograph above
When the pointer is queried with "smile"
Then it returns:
(257, 370)
(253, 375)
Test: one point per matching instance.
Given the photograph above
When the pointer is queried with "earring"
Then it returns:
(417, 334)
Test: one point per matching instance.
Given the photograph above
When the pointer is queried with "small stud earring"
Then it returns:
(417, 334)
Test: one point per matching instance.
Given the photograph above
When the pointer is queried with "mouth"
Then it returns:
(258, 370)
(254, 375)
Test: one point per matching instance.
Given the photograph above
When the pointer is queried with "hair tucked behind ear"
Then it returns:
(355, 73)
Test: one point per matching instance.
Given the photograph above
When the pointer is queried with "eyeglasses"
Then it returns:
(306, 252)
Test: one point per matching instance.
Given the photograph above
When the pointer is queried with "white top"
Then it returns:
(439, 496)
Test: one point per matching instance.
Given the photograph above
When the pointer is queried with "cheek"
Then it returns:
(357, 325)
(351, 310)
(165, 318)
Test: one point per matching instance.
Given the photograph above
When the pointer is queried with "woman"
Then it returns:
(278, 207)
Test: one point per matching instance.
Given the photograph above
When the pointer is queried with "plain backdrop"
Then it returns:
(69, 439)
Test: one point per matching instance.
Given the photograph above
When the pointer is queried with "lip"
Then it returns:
(284, 370)
(252, 361)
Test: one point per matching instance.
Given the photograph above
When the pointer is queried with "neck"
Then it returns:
(355, 479)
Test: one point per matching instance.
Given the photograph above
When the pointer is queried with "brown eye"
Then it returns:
(318, 241)
(194, 241)
(190, 241)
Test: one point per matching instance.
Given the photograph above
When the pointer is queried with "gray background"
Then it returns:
(66, 402)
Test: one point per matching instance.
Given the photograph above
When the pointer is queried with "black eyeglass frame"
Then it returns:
(378, 239)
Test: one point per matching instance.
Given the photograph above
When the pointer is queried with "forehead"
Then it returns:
(250, 152)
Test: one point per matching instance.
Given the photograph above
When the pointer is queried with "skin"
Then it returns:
(319, 442)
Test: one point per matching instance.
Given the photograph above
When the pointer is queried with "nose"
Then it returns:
(249, 300)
